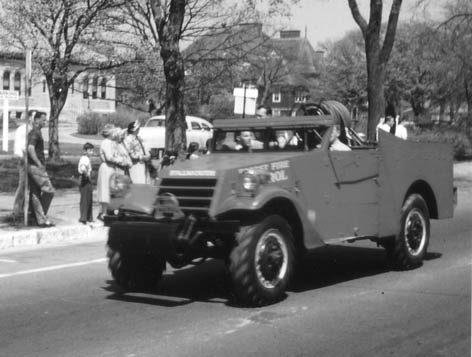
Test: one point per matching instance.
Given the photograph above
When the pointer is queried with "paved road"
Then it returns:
(59, 301)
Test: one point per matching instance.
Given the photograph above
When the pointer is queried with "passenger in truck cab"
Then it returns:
(335, 144)
(286, 139)
(246, 141)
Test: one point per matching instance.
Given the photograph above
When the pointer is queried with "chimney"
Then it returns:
(290, 34)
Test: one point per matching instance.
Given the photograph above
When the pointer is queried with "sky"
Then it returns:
(332, 19)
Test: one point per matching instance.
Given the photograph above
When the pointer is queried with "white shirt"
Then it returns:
(20, 141)
(384, 127)
(401, 132)
(338, 145)
(85, 167)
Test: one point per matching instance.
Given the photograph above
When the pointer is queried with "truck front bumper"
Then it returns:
(176, 241)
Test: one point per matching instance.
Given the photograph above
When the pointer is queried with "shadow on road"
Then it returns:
(208, 282)
(334, 264)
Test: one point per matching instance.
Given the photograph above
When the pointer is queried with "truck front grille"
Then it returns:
(194, 194)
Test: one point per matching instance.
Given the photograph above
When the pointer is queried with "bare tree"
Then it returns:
(64, 36)
(377, 54)
(163, 24)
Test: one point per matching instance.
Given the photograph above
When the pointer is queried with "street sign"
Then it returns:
(245, 100)
(9, 94)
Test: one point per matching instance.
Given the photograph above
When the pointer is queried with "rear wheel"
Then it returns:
(135, 272)
(408, 249)
(261, 263)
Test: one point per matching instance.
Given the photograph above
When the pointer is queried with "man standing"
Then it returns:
(263, 111)
(41, 190)
(386, 125)
(19, 152)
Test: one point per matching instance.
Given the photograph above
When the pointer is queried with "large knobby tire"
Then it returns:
(138, 272)
(261, 263)
(409, 247)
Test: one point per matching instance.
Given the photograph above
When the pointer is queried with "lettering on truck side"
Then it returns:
(276, 170)
(211, 173)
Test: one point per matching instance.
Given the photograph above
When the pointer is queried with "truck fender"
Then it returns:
(274, 198)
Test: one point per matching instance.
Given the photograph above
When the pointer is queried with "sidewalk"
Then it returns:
(64, 213)
(64, 210)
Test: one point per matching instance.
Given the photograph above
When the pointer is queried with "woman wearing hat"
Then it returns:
(137, 153)
(111, 159)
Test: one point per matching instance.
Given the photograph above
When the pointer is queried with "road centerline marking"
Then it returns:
(53, 268)
(7, 261)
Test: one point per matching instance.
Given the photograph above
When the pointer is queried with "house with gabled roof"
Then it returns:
(285, 69)
(299, 75)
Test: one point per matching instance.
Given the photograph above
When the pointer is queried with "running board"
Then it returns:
(348, 239)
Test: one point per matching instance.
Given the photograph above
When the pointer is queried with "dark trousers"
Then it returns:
(86, 200)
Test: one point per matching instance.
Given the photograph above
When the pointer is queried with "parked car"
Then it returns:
(153, 132)
(262, 209)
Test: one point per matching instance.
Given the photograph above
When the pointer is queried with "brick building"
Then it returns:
(300, 72)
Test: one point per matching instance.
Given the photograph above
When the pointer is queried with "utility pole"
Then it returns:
(27, 92)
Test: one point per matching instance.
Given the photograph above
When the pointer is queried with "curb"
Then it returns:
(66, 234)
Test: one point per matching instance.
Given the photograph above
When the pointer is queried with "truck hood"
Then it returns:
(227, 161)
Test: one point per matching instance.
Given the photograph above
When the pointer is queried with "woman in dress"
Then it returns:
(106, 169)
(123, 160)
(137, 153)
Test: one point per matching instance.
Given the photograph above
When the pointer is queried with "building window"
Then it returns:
(94, 87)
(6, 80)
(17, 82)
(44, 86)
(276, 97)
(85, 87)
(300, 97)
(103, 88)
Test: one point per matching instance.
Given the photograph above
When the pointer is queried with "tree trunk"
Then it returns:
(468, 119)
(175, 112)
(375, 86)
(57, 99)
(377, 55)
(169, 30)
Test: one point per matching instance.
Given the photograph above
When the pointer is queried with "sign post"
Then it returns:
(6, 95)
(27, 92)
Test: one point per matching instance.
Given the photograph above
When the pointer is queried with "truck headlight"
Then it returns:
(250, 182)
(119, 185)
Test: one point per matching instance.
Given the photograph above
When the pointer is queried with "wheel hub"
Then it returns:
(415, 231)
(271, 258)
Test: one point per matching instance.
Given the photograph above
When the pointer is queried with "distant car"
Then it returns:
(153, 132)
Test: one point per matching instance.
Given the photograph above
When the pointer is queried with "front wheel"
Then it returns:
(139, 272)
(409, 247)
(261, 263)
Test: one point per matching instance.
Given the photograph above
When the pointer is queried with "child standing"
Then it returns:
(85, 184)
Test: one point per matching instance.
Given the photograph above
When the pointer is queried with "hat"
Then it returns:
(107, 130)
(134, 126)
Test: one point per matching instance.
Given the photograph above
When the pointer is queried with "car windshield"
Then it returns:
(267, 140)
(155, 122)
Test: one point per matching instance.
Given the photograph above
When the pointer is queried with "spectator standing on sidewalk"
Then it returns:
(19, 152)
(109, 160)
(123, 163)
(137, 153)
(85, 184)
(41, 189)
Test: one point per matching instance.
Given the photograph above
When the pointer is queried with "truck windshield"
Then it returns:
(266, 140)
